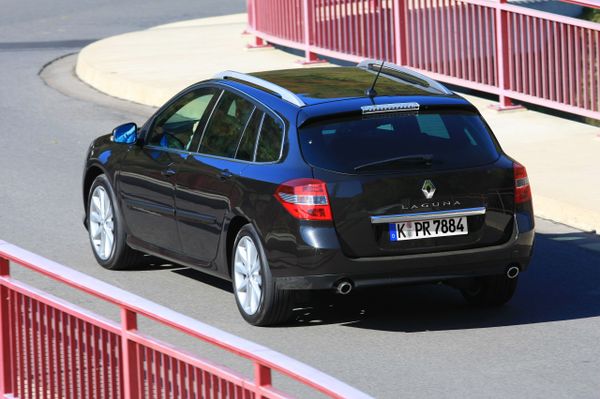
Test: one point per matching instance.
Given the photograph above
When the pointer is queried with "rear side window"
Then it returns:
(399, 142)
(226, 125)
(270, 140)
(245, 150)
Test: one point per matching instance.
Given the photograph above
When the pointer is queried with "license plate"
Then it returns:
(418, 229)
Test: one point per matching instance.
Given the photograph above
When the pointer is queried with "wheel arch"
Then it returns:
(235, 225)
(91, 174)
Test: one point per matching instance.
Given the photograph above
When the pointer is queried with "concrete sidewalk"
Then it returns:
(562, 157)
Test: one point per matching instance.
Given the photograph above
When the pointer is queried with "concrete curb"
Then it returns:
(114, 84)
(149, 67)
(108, 65)
(565, 213)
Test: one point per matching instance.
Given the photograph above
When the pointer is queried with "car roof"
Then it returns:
(323, 92)
(325, 84)
(311, 86)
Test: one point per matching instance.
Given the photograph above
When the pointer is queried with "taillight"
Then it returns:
(522, 188)
(305, 199)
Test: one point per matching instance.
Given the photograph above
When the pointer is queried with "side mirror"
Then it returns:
(126, 134)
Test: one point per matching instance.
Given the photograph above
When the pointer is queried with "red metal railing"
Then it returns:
(50, 348)
(488, 45)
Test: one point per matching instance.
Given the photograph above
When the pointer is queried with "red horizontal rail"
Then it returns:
(52, 348)
(511, 51)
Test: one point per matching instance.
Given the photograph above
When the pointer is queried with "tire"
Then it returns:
(490, 291)
(267, 305)
(104, 217)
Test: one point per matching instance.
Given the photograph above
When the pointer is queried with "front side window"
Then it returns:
(224, 130)
(176, 125)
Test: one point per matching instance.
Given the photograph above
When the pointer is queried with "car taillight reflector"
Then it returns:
(305, 199)
(522, 187)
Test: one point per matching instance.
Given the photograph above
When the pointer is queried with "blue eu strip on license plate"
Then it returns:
(393, 232)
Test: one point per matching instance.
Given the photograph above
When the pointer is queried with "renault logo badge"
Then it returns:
(428, 189)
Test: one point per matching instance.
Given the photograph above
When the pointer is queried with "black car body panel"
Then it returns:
(184, 205)
(355, 198)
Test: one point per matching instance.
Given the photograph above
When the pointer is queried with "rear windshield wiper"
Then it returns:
(418, 159)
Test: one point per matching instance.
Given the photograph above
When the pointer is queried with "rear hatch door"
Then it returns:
(387, 174)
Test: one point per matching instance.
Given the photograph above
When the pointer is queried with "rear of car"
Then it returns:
(320, 178)
(403, 192)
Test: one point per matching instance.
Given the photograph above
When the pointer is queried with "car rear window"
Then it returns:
(398, 142)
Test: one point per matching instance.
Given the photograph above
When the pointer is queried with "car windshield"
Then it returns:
(398, 142)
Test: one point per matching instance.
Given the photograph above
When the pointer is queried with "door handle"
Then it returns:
(225, 174)
(168, 172)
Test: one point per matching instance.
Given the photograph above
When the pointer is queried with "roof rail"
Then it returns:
(370, 63)
(285, 94)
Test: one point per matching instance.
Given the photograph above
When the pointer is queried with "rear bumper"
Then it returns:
(321, 268)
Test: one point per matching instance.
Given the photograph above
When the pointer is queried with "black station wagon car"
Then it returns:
(331, 178)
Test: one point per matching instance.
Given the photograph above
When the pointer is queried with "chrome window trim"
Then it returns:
(257, 139)
(409, 217)
(284, 93)
(166, 149)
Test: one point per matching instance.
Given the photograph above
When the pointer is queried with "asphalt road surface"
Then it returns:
(420, 341)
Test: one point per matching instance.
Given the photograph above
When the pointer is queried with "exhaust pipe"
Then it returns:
(512, 272)
(343, 287)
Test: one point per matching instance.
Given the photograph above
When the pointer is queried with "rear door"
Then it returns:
(206, 178)
(147, 177)
(380, 171)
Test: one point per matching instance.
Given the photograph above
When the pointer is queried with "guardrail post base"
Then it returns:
(506, 104)
(311, 58)
(258, 43)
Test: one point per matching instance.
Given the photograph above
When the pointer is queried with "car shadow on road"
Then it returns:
(205, 278)
(562, 283)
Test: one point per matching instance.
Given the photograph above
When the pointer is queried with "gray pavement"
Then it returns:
(410, 341)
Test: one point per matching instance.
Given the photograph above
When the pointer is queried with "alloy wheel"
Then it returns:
(101, 223)
(247, 275)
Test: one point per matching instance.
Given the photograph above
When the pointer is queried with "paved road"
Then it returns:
(412, 341)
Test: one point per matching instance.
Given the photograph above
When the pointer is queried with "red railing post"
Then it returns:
(262, 377)
(250, 18)
(308, 16)
(502, 55)
(258, 42)
(6, 377)
(129, 355)
(400, 29)
(251, 13)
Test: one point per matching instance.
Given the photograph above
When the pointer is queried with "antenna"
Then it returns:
(370, 92)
